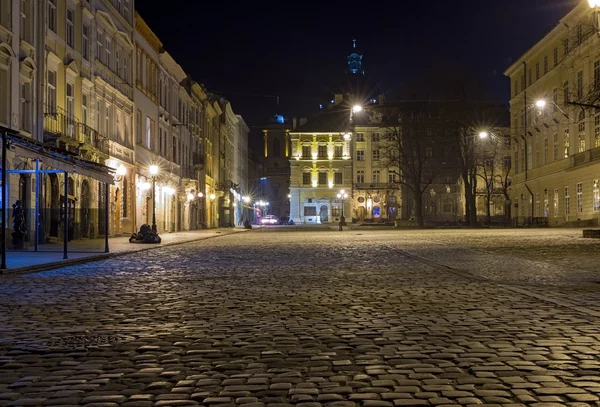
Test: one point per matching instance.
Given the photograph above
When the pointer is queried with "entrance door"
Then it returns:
(54, 205)
(324, 213)
(362, 213)
(85, 209)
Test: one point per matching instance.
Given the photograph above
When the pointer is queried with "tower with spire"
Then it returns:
(355, 63)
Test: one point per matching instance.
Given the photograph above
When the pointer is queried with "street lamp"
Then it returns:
(483, 134)
(357, 109)
(154, 172)
(342, 195)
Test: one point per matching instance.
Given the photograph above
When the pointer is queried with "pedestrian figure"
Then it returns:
(342, 221)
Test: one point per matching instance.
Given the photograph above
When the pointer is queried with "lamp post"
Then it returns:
(154, 172)
(595, 6)
(342, 195)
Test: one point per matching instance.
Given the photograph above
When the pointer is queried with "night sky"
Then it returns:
(251, 52)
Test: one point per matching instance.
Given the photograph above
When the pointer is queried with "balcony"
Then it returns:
(189, 173)
(62, 128)
(198, 161)
(378, 185)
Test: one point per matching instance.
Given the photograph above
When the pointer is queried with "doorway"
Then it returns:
(324, 213)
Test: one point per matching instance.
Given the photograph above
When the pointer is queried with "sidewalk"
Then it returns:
(50, 256)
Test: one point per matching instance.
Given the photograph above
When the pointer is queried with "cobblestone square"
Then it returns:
(279, 317)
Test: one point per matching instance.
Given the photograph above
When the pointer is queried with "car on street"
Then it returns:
(269, 220)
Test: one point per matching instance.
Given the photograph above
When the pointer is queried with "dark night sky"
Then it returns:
(249, 51)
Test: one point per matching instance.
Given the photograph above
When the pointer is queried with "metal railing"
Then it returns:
(378, 185)
(57, 123)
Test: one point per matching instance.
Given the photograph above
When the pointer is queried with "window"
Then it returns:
(596, 189)
(516, 161)
(70, 102)
(523, 82)
(376, 155)
(537, 71)
(567, 207)
(555, 148)
(306, 151)
(126, 74)
(51, 93)
(84, 109)
(579, 84)
(529, 157)
(567, 142)
(149, 132)
(107, 51)
(566, 43)
(555, 56)
(85, 41)
(516, 86)
(555, 100)
(596, 74)
(360, 177)
(581, 127)
(597, 128)
(376, 178)
(555, 203)
(530, 76)
(322, 151)
(546, 202)
(138, 125)
(70, 28)
(175, 158)
(545, 64)
(52, 15)
(337, 178)
(360, 136)
(566, 93)
(538, 208)
(507, 162)
(25, 26)
(99, 40)
(579, 34)
(25, 109)
(360, 155)
(391, 178)
(546, 150)
(160, 140)
(376, 137)
(322, 178)
(338, 151)
(306, 178)
(537, 156)
(428, 152)
(126, 9)
(579, 197)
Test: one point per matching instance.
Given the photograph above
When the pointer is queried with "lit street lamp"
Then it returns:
(154, 172)
(342, 195)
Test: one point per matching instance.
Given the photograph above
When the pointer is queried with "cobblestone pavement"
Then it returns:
(309, 319)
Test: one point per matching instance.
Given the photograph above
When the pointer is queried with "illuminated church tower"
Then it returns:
(355, 66)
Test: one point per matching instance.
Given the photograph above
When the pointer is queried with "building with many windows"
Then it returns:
(90, 99)
(555, 124)
(321, 167)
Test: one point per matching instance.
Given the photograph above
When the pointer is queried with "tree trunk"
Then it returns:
(419, 209)
(487, 210)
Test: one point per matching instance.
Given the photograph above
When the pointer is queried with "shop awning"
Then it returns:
(59, 159)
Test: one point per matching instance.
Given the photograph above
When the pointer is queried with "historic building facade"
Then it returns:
(277, 149)
(555, 124)
(321, 167)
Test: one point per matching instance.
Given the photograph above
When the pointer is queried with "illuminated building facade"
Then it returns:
(555, 125)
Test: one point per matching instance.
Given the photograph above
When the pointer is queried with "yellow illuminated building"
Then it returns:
(556, 134)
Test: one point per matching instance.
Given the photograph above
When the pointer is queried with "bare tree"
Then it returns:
(413, 148)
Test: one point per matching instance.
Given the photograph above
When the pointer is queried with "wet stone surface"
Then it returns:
(308, 319)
